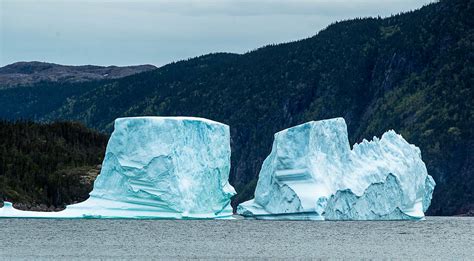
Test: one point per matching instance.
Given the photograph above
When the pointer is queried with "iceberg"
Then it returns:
(157, 167)
(313, 174)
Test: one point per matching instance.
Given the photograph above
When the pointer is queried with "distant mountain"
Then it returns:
(28, 73)
(412, 72)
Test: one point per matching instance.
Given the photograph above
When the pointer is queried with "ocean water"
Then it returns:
(435, 238)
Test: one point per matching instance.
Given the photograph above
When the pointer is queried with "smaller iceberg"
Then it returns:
(313, 174)
(157, 167)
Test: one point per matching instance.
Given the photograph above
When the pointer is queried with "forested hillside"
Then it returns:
(412, 72)
(50, 164)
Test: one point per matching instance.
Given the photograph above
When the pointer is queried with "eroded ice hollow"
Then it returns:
(312, 173)
(157, 167)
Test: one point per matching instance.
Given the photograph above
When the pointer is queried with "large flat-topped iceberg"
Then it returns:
(157, 167)
(312, 173)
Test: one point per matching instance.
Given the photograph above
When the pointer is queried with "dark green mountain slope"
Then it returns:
(412, 73)
(50, 164)
(36, 101)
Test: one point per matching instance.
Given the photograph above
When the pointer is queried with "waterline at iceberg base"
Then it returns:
(312, 174)
(157, 167)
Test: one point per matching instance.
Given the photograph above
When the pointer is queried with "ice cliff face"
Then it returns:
(312, 173)
(158, 167)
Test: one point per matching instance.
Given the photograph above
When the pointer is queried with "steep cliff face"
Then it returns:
(411, 72)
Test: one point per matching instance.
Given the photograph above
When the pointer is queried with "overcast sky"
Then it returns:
(119, 32)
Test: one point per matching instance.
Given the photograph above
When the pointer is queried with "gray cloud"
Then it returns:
(134, 32)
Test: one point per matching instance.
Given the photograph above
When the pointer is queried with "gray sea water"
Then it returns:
(441, 238)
